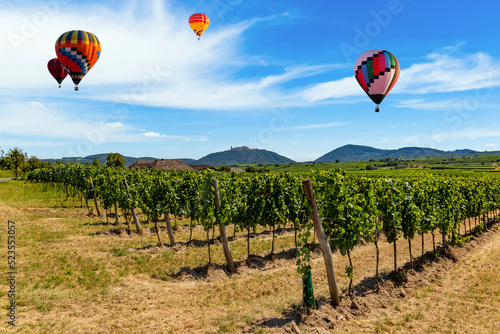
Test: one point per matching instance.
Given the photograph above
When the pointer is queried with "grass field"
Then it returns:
(5, 173)
(472, 164)
(77, 273)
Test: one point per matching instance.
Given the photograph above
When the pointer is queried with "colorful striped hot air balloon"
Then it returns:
(78, 51)
(57, 70)
(199, 22)
(377, 72)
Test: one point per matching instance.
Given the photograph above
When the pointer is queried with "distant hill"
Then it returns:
(243, 155)
(236, 155)
(189, 161)
(101, 157)
(362, 153)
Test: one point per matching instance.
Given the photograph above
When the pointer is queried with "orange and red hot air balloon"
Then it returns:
(377, 72)
(57, 70)
(199, 22)
(78, 51)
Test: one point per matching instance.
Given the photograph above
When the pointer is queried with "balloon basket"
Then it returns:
(76, 88)
(377, 109)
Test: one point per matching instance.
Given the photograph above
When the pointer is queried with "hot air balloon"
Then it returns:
(57, 70)
(377, 72)
(199, 22)
(78, 51)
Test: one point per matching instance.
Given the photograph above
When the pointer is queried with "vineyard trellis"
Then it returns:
(352, 208)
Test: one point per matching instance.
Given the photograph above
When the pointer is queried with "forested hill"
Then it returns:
(243, 156)
(364, 153)
(101, 157)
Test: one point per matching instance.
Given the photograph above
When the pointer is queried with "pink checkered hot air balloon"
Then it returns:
(377, 72)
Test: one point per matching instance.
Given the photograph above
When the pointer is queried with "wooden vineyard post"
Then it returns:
(116, 206)
(95, 198)
(323, 243)
(222, 230)
(136, 220)
(169, 229)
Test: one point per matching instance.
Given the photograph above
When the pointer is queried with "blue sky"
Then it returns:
(274, 75)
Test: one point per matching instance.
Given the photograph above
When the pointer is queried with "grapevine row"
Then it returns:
(352, 208)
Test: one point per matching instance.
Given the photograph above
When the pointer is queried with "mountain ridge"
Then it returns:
(350, 152)
(347, 153)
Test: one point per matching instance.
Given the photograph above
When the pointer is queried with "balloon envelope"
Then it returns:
(78, 51)
(377, 72)
(199, 22)
(57, 70)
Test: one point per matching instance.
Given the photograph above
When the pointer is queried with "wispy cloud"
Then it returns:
(333, 89)
(138, 64)
(441, 72)
(152, 134)
(469, 133)
(445, 72)
(421, 104)
(316, 126)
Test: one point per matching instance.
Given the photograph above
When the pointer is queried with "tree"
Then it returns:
(17, 158)
(96, 162)
(115, 160)
(5, 163)
(224, 169)
(32, 163)
(250, 169)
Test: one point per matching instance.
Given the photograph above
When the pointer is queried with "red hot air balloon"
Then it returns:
(57, 70)
(78, 51)
(377, 72)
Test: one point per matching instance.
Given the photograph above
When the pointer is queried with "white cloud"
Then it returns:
(35, 119)
(113, 125)
(153, 135)
(448, 73)
(421, 104)
(316, 126)
(57, 122)
(150, 56)
(333, 89)
(471, 133)
(491, 145)
(442, 72)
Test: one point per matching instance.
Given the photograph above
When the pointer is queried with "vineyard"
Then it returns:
(352, 208)
(424, 212)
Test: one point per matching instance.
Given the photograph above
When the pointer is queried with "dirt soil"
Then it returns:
(430, 298)
(456, 292)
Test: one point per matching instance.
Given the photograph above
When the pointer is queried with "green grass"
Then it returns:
(4, 173)
(438, 165)
(21, 194)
